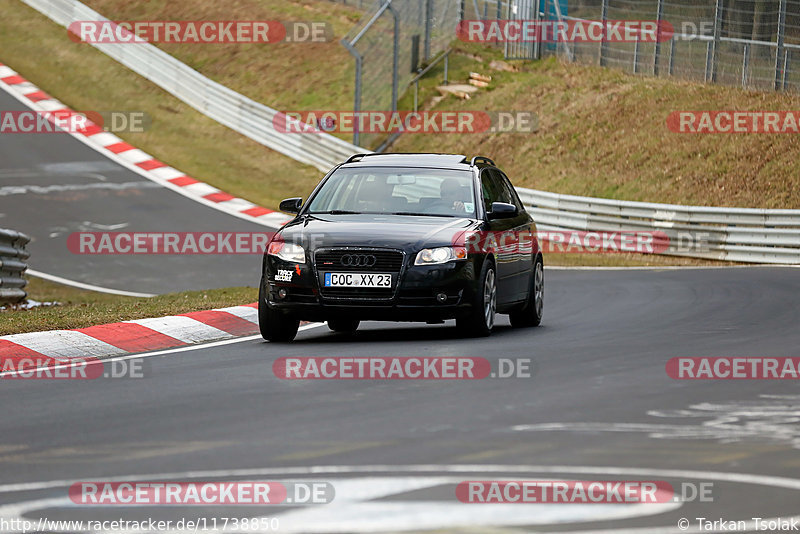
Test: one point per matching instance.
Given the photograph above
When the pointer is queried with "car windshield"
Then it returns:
(406, 191)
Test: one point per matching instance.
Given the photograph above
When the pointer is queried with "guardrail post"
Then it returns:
(657, 47)
(780, 50)
(603, 43)
(713, 46)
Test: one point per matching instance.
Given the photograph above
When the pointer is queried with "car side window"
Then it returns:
(503, 193)
(508, 191)
(489, 189)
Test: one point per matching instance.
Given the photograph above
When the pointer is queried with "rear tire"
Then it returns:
(274, 326)
(531, 313)
(343, 326)
(480, 321)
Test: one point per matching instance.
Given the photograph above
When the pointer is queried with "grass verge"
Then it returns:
(603, 133)
(79, 308)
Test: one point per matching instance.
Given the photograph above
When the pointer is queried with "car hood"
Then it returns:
(406, 232)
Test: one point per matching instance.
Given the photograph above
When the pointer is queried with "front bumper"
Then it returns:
(412, 298)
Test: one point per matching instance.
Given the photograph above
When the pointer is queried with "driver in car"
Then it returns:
(450, 193)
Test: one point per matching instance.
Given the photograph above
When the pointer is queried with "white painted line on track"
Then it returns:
(90, 287)
(379, 474)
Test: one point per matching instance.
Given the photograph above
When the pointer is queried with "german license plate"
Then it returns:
(358, 280)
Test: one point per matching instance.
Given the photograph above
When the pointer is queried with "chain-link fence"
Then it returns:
(393, 40)
(752, 43)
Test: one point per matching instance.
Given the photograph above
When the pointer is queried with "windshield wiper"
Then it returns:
(336, 212)
(420, 214)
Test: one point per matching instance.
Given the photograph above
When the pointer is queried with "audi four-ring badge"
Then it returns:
(404, 237)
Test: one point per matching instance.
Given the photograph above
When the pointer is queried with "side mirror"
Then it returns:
(501, 210)
(291, 205)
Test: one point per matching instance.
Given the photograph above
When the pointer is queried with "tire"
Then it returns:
(480, 321)
(274, 326)
(531, 313)
(343, 326)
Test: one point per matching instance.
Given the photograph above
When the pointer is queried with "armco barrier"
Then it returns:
(733, 234)
(12, 266)
(214, 100)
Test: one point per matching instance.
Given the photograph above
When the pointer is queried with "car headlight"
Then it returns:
(287, 251)
(433, 256)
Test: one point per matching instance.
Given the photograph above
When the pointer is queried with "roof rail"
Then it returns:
(355, 157)
(483, 159)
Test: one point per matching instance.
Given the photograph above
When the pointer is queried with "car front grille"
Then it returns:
(383, 261)
(359, 260)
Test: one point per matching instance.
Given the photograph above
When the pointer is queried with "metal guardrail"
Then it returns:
(214, 100)
(13, 266)
(734, 234)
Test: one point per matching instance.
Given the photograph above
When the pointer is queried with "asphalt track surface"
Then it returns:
(599, 405)
(105, 196)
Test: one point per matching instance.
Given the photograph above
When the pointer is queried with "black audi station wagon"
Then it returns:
(404, 237)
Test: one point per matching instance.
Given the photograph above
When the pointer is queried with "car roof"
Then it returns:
(447, 161)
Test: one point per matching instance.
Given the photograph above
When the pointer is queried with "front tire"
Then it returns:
(343, 326)
(531, 313)
(274, 326)
(480, 321)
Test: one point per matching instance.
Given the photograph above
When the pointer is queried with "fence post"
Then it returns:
(604, 19)
(780, 51)
(636, 54)
(357, 93)
(657, 47)
(461, 10)
(428, 21)
(711, 53)
(671, 55)
(786, 64)
(745, 64)
(395, 54)
(537, 42)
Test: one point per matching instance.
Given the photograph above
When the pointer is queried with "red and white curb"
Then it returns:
(140, 335)
(137, 160)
